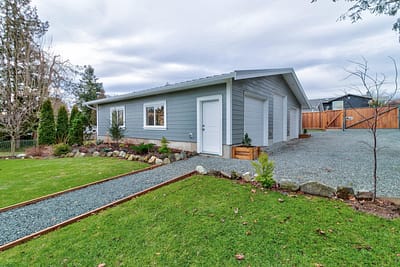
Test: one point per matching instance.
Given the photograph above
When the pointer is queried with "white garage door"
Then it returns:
(255, 120)
(279, 119)
(294, 123)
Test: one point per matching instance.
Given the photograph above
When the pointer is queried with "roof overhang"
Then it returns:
(288, 75)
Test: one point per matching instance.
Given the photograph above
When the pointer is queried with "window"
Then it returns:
(117, 115)
(154, 115)
(337, 105)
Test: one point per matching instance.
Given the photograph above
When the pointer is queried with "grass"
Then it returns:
(22, 180)
(205, 221)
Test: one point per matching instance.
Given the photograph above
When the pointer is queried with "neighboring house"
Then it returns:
(211, 114)
(316, 105)
(346, 102)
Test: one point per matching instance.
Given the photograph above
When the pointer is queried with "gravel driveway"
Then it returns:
(345, 158)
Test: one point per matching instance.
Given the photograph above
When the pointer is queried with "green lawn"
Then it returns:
(205, 221)
(22, 180)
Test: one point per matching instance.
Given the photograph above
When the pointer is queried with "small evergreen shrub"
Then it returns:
(246, 141)
(116, 132)
(75, 134)
(265, 170)
(61, 149)
(142, 148)
(62, 125)
(164, 146)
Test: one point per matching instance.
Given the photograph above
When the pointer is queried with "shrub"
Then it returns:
(164, 146)
(47, 128)
(75, 134)
(246, 141)
(265, 170)
(142, 148)
(62, 125)
(61, 149)
(116, 132)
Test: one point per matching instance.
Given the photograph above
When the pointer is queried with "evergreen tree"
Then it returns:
(75, 133)
(62, 125)
(47, 129)
(88, 89)
(74, 113)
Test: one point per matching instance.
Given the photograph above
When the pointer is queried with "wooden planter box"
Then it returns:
(304, 135)
(245, 152)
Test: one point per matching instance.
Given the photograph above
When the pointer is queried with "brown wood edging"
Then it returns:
(35, 200)
(95, 211)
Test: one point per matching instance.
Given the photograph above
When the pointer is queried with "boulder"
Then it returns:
(183, 155)
(201, 170)
(81, 155)
(109, 154)
(131, 157)
(177, 156)
(166, 161)
(158, 161)
(344, 192)
(20, 156)
(289, 185)
(364, 195)
(115, 153)
(247, 176)
(147, 157)
(152, 160)
(96, 154)
(317, 189)
(70, 155)
(122, 154)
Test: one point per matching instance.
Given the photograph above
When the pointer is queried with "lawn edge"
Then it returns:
(93, 212)
(35, 200)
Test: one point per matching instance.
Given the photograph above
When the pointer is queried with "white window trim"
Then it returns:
(112, 109)
(152, 104)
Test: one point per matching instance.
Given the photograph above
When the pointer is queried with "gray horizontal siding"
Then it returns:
(264, 87)
(181, 114)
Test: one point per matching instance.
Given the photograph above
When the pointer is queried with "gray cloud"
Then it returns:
(140, 44)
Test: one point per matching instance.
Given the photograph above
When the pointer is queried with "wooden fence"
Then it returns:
(388, 118)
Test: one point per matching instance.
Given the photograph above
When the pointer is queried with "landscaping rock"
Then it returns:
(247, 176)
(20, 156)
(289, 185)
(177, 156)
(364, 195)
(131, 157)
(344, 192)
(158, 161)
(147, 157)
(70, 155)
(81, 155)
(152, 160)
(115, 153)
(166, 161)
(109, 154)
(122, 154)
(183, 155)
(201, 170)
(96, 154)
(317, 189)
(77, 154)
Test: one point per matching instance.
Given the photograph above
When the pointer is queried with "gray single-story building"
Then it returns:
(209, 115)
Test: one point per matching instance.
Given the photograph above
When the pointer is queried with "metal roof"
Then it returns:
(287, 73)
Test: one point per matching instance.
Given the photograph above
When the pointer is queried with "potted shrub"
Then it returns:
(304, 134)
(245, 150)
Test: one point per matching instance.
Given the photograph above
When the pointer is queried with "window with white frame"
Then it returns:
(117, 116)
(154, 115)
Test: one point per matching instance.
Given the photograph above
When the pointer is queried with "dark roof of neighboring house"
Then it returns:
(287, 73)
(346, 95)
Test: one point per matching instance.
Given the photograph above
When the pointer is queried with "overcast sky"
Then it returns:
(136, 45)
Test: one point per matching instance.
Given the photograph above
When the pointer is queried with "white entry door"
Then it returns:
(210, 126)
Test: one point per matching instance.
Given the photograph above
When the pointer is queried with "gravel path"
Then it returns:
(24, 221)
(342, 158)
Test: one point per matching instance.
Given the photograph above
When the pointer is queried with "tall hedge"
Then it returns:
(75, 133)
(62, 125)
(47, 129)
(74, 113)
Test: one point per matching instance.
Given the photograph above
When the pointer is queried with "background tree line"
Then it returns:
(30, 75)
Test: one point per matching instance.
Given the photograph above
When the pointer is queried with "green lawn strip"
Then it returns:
(22, 180)
(205, 221)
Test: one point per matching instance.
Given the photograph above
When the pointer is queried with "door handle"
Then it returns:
(203, 127)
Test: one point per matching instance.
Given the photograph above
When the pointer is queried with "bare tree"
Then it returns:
(382, 92)
(26, 70)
